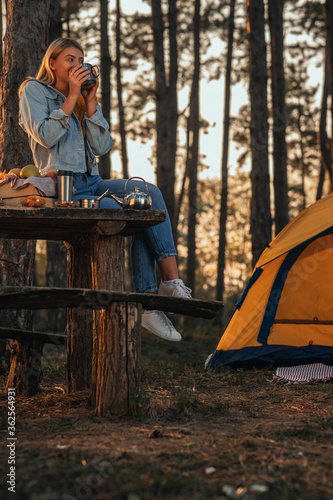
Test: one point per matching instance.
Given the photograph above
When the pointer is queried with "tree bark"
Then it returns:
(324, 142)
(56, 276)
(166, 104)
(80, 320)
(224, 166)
(104, 164)
(116, 342)
(281, 202)
(1, 36)
(302, 155)
(194, 130)
(55, 29)
(329, 42)
(24, 44)
(260, 219)
(121, 112)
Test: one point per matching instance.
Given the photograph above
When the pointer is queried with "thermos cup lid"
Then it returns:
(65, 172)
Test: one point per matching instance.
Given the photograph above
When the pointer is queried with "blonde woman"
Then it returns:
(66, 131)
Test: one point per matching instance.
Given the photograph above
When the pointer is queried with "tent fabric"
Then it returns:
(285, 314)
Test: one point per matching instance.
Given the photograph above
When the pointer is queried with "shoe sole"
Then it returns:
(159, 335)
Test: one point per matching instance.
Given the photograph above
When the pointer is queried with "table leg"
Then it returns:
(116, 341)
(80, 320)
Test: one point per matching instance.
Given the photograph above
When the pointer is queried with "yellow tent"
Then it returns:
(285, 314)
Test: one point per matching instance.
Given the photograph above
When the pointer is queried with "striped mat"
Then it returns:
(302, 374)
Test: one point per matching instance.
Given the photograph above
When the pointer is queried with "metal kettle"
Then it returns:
(137, 199)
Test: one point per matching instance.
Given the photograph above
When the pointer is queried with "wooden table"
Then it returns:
(107, 339)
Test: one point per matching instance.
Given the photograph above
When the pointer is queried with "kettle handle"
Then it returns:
(136, 178)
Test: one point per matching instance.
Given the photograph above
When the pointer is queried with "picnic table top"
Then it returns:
(64, 223)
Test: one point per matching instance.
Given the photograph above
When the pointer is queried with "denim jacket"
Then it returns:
(56, 139)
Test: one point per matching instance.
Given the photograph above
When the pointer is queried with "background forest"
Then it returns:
(227, 106)
(158, 59)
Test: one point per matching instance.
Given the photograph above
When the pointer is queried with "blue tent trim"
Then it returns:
(277, 355)
(251, 281)
(277, 288)
(276, 291)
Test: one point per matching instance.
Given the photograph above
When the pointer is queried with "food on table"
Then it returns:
(51, 173)
(15, 171)
(33, 201)
(29, 171)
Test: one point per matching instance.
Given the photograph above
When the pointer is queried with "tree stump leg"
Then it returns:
(25, 372)
(116, 343)
(17, 258)
(117, 360)
(80, 321)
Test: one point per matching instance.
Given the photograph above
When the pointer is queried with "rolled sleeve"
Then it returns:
(60, 115)
(97, 132)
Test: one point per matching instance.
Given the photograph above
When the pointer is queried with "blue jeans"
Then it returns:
(150, 245)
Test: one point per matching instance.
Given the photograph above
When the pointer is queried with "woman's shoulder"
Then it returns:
(34, 87)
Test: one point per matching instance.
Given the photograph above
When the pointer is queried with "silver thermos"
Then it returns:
(65, 185)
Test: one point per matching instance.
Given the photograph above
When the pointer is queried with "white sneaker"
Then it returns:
(158, 323)
(175, 289)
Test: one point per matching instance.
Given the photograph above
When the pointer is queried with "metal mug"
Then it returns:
(92, 78)
(89, 203)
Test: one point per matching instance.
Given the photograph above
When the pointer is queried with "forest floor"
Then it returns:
(196, 435)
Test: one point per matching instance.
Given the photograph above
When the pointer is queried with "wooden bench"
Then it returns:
(103, 334)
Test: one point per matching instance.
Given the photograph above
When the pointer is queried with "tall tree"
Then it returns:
(329, 45)
(55, 28)
(104, 161)
(121, 111)
(1, 13)
(323, 140)
(224, 165)
(24, 45)
(302, 130)
(261, 220)
(193, 156)
(166, 102)
(56, 276)
(275, 16)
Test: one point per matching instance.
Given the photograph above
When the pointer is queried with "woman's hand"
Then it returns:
(77, 76)
(89, 95)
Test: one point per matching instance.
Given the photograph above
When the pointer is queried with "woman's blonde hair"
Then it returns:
(45, 73)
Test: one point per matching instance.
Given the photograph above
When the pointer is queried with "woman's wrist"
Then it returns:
(69, 105)
(91, 108)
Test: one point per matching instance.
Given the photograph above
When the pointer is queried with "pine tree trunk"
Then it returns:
(194, 128)
(1, 36)
(301, 159)
(275, 10)
(55, 29)
(324, 143)
(104, 164)
(329, 42)
(166, 105)
(260, 220)
(116, 361)
(224, 167)
(24, 44)
(56, 276)
(80, 320)
(122, 126)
